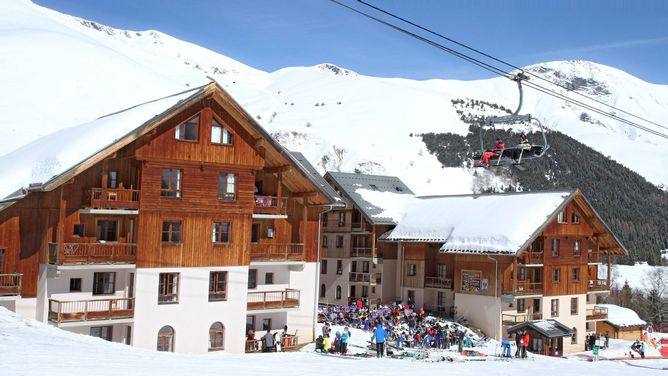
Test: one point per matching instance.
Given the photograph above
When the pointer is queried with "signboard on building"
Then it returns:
(471, 281)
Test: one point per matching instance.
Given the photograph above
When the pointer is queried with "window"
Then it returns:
(339, 241)
(338, 293)
(107, 231)
(576, 249)
(220, 134)
(411, 296)
(521, 305)
(268, 278)
(574, 306)
(2, 260)
(187, 131)
(216, 336)
(226, 186)
(365, 267)
(561, 217)
(325, 241)
(104, 283)
(365, 291)
(440, 271)
(221, 232)
(555, 247)
(412, 270)
(342, 219)
(166, 339)
(170, 185)
(168, 288)
(440, 299)
(113, 179)
(554, 308)
(574, 337)
(353, 266)
(252, 278)
(103, 332)
(522, 273)
(538, 245)
(323, 267)
(78, 229)
(555, 275)
(323, 290)
(339, 267)
(266, 324)
(171, 232)
(575, 274)
(575, 218)
(217, 286)
(325, 220)
(255, 232)
(75, 284)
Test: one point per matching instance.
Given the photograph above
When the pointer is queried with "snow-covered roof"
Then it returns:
(49, 156)
(548, 328)
(316, 177)
(492, 223)
(359, 187)
(621, 317)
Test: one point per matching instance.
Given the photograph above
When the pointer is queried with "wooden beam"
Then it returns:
(305, 194)
(277, 169)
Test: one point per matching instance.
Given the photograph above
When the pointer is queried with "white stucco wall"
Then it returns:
(303, 319)
(192, 317)
(572, 321)
(483, 312)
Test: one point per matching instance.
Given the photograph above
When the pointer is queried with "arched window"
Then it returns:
(323, 288)
(166, 339)
(338, 292)
(216, 336)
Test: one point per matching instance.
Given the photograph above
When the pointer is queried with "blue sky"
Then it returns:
(272, 34)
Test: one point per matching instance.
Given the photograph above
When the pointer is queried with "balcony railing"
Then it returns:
(513, 318)
(597, 313)
(533, 258)
(10, 284)
(93, 253)
(277, 252)
(361, 252)
(438, 282)
(598, 285)
(360, 277)
(88, 310)
(526, 288)
(108, 198)
(288, 298)
(270, 205)
(360, 227)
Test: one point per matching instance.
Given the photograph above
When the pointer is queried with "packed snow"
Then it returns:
(479, 223)
(640, 276)
(622, 317)
(62, 71)
(30, 348)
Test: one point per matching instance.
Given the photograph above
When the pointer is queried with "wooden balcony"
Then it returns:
(61, 311)
(360, 227)
(438, 282)
(598, 285)
(526, 288)
(108, 198)
(277, 252)
(511, 318)
(596, 313)
(361, 252)
(533, 258)
(10, 284)
(261, 300)
(270, 205)
(92, 253)
(359, 277)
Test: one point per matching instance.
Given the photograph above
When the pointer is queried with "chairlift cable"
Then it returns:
(505, 62)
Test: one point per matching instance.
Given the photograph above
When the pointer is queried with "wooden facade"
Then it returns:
(112, 208)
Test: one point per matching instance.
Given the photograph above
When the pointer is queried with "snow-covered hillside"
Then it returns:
(30, 348)
(58, 71)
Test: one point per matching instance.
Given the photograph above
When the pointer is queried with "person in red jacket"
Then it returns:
(489, 153)
(525, 344)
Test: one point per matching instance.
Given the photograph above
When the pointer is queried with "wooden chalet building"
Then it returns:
(354, 265)
(178, 224)
(502, 259)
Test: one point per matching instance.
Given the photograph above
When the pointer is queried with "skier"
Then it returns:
(489, 153)
(379, 338)
(345, 337)
(522, 145)
(518, 344)
(525, 344)
(320, 344)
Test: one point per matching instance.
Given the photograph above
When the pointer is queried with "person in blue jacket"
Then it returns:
(345, 338)
(379, 338)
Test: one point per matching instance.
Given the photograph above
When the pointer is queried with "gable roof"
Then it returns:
(317, 178)
(621, 317)
(548, 328)
(350, 185)
(490, 223)
(49, 161)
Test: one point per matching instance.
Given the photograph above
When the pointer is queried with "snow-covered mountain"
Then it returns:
(57, 71)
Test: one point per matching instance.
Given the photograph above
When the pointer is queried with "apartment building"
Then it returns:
(355, 265)
(177, 225)
(500, 260)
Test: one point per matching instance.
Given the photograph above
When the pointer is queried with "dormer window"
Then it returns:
(187, 131)
(220, 134)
